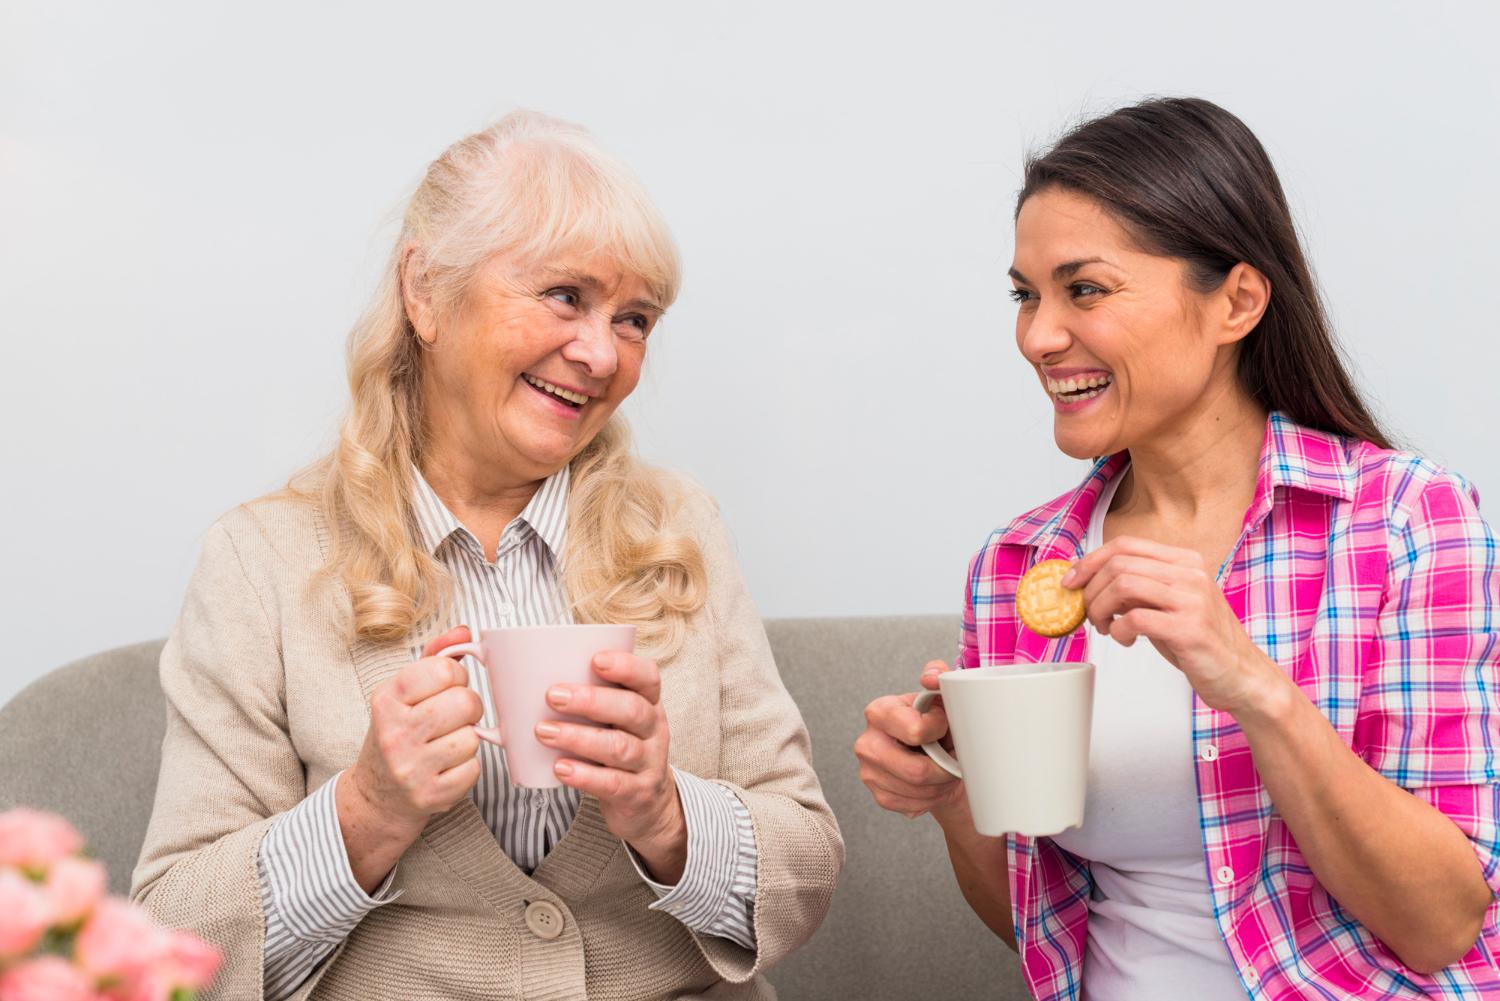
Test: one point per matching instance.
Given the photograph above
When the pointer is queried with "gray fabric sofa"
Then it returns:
(84, 741)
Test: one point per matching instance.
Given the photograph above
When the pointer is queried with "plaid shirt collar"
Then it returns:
(1291, 457)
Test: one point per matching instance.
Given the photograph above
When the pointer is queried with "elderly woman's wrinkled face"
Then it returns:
(1116, 335)
(533, 363)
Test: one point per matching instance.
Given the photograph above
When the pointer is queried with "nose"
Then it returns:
(1043, 334)
(593, 347)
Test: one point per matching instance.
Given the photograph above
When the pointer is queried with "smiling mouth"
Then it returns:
(572, 399)
(1076, 390)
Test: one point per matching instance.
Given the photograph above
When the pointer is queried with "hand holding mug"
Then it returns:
(891, 763)
(420, 752)
(419, 757)
(623, 762)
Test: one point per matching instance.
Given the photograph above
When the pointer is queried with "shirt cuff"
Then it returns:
(308, 882)
(716, 895)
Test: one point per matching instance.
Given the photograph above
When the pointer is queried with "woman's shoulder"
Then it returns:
(689, 506)
(1407, 487)
(277, 533)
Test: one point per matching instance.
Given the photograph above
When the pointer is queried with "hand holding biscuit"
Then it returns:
(1135, 587)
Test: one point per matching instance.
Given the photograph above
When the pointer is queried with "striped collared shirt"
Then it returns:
(309, 895)
(1371, 578)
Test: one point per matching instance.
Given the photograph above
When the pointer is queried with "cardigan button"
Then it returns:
(544, 919)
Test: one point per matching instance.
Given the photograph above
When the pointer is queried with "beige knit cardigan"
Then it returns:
(267, 697)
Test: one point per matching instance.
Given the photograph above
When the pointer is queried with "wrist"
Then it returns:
(953, 815)
(1270, 697)
(361, 809)
(664, 849)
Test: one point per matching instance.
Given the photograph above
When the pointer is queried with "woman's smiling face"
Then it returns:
(1126, 350)
(528, 368)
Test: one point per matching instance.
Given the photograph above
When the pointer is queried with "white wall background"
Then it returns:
(195, 198)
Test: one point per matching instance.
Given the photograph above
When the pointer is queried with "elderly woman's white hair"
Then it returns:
(530, 188)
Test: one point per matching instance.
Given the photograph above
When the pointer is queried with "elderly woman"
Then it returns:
(326, 812)
(1292, 789)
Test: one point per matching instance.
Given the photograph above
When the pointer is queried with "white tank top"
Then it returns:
(1151, 930)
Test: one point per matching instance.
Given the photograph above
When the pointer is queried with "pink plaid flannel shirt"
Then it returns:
(1371, 578)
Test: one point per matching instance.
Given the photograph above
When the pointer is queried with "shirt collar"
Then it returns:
(1295, 456)
(546, 514)
(1292, 456)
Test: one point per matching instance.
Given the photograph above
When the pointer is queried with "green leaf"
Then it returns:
(58, 942)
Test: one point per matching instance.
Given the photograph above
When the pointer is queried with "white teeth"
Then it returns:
(1079, 389)
(566, 394)
(1077, 384)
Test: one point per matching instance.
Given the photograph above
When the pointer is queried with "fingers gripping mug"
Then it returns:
(1021, 733)
(521, 664)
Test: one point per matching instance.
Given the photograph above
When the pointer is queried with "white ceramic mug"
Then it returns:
(522, 663)
(1021, 732)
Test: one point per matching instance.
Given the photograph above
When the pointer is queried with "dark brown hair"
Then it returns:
(1189, 180)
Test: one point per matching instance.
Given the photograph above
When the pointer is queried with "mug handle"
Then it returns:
(491, 734)
(934, 750)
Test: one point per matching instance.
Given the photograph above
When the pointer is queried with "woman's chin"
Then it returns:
(1081, 446)
(550, 453)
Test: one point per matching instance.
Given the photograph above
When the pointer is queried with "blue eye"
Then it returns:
(566, 296)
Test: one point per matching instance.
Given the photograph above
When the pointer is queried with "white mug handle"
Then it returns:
(934, 750)
(491, 734)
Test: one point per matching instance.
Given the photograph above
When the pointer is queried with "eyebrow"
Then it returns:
(1065, 270)
(573, 275)
(593, 284)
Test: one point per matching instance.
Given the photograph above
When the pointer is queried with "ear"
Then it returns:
(1243, 299)
(415, 295)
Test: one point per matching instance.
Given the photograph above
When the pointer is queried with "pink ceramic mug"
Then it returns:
(522, 663)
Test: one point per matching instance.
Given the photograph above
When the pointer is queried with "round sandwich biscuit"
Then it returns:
(1044, 605)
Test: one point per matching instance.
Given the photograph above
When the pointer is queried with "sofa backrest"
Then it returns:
(85, 742)
(899, 927)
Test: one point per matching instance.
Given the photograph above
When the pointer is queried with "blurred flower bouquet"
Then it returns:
(62, 939)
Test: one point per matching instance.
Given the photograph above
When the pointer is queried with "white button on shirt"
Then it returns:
(308, 893)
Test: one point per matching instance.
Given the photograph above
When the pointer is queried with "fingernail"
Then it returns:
(547, 731)
(563, 768)
(1068, 578)
(559, 696)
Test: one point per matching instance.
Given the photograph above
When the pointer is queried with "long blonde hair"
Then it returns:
(529, 187)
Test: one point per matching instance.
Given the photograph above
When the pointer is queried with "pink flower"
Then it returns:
(192, 961)
(120, 940)
(49, 978)
(32, 840)
(24, 914)
(186, 962)
(73, 887)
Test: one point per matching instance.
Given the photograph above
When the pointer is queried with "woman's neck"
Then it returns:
(481, 497)
(1204, 466)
